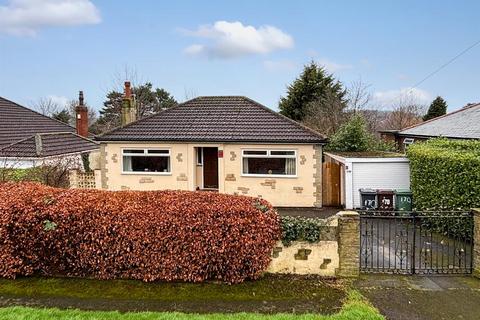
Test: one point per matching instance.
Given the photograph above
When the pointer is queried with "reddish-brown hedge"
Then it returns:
(147, 235)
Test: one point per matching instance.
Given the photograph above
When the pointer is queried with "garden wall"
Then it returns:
(332, 251)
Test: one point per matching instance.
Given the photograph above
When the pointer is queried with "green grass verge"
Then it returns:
(269, 287)
(355, 307)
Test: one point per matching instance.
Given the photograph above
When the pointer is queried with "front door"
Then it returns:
(210, 168)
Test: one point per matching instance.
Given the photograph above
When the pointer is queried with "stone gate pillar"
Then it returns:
(348, 244)
(476, 242)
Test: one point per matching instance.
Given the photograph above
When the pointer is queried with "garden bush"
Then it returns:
(445, 174)
(147, 235)
(301, 229)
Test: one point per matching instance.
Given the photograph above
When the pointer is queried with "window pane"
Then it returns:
(255, 152)
(135, 151)
(269, 166)
(158, 151)
(146, 164)
(282, 153)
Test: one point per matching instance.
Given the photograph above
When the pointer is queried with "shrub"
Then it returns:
(353, 136)
(445, 174)
(147, 235)
(301, 229)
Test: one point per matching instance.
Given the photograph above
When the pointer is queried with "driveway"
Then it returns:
(423, 297)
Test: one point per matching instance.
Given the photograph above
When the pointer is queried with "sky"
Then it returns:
(54, 48)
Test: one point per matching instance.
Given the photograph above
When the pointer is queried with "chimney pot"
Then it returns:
(128, 90)
(80, 98)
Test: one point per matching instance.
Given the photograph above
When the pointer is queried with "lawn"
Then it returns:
(355, 307)
(270, 294)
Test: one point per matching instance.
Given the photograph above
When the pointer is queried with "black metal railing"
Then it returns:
(426, 242)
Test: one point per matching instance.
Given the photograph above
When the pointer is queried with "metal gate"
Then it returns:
(416, 242)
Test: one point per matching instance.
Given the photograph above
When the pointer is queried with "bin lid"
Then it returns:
(367, 191)
(403, 192)
(385, 191)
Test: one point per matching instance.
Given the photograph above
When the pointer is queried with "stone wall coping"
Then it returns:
(347, 214)
(332, 221)
(476, 211)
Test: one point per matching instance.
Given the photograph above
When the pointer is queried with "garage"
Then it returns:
(344, 174)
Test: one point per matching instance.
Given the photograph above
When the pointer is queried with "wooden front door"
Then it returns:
(210, 168)
(331, 184)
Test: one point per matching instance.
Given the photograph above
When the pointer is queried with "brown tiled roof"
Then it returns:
(216, 119)
(18, 122)
(20, 125)
(47, 145)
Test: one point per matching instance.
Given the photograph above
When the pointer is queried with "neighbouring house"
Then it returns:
(345, 173)
(229, 144)
(29, 139)
(459, 124)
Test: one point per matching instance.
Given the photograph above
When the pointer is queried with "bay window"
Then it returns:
(258, 162)
(146, 161)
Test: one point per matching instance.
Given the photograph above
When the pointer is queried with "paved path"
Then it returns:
(423, 298)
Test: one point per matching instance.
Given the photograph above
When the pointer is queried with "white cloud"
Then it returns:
(393, 97)
(27, 17)
(279, 65)
(331, 66)
(227, 40)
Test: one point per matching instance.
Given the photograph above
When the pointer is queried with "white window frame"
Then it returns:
(408, 141)
(146, 154)
(268, 155)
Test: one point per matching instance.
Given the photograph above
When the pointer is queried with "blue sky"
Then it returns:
(254, 48)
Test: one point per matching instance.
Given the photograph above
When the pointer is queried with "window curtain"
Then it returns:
(290, 166)
(245, 165)
(127, 164)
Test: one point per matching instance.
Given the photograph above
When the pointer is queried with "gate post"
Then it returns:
(348, 244)
(476, 242)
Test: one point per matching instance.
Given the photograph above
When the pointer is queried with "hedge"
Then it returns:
(301, 229)
(445, 174)
(147, 235)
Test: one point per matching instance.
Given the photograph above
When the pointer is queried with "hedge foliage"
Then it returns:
(147, 235)
(301, 229)
(445, 174)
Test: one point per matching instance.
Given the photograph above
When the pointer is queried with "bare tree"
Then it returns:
(46, 106)
(359, 95)
(189, 93)
(326, 114)
(407, 112)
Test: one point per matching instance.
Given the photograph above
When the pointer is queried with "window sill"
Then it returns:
(268, 176)
(147, 173)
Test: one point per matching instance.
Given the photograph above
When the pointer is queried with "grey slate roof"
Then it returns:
(20, 125)
(463, 123)
(216, 119)
(47, 145)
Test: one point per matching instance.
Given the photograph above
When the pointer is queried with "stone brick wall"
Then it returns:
(476, 242)
(337, 254)
(348, 243)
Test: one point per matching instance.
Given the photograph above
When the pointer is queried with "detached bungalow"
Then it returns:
(228, 144)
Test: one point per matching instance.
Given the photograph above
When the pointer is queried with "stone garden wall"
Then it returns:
(336, 254)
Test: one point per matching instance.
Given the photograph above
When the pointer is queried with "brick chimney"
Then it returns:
(129, 108)
(81, 117)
